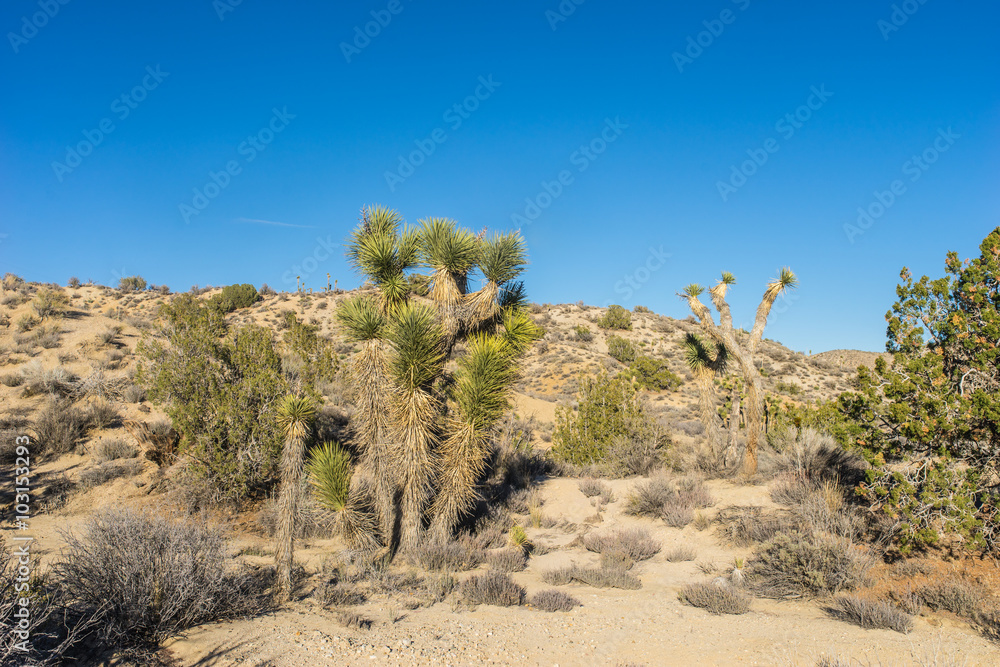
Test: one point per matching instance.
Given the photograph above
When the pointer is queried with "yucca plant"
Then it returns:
(426, 412)
(706, 364)
(741, 351)
(328, 471)
(295, 416)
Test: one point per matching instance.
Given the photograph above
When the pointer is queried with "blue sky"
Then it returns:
(638, 146)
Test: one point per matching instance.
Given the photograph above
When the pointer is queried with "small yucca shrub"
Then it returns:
(329, 474)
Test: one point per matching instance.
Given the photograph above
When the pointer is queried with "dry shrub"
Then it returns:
(511, 559)
(959, 596)
(440, 587)
(552, 600)
(625, 545)
(591, 487)
(871, 615)
(716, 598)
(798, 564)
(38, 380)
(58, 428)
(110, 471)
(148, 578)
(680, 554)
(109, 449)
(809, 454)
(350, 619)
(447, 556)
(672, 501)
(339, 594)
(598, 577)
(746, 525)
(493, 588)
(101, 414)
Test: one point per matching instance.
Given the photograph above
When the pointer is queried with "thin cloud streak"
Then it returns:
(274, 223)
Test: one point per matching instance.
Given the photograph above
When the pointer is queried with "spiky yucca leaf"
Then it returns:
(503, 257)
(693, 290)
(295, 414)
(362, 319)
(787, 279)
(446, 247)
(329, 474)
(513, 296)
(699, 358)
(417, 357)
(519, 330)
(728, 278)
(483, 380)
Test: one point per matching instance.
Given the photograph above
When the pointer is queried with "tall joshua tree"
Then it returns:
(741, 352)
(451, 253)
(706, 364)
(295, 417)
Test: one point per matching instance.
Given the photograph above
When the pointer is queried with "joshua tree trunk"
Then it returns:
(288, 500)
(709, 416)
(734, 428)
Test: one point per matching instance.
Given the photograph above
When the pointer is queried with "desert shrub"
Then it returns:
(680, 554)
(616, 317)
(350, 619)
(110, 449)
(552, 600)
(101, 414)
(599, 577)
(266, 290)
(621, 349)
(73, 282)
(812, 455)
(50, 302)
(148, 578)
(789, 388)
(654, 374)
(493, 588)
(583, 333)
(871, 615)
(339, 594)
(108, 336)
(234, 297)
(641, 309)
(447, 556)
(672, 501)
(108, 472)
(316, 354)
(691, 427)
(746, 525)
(591, 487)
(134, 394)
(58, 428)
(26, 322)
(510, 559)
(12, 281)
(607, 408)
(958, 596)
(39, 380)
(716, 598)
(128, 284)
(623, 545)
(639, 454)
(11, 379)
(220, 394)
(801, 564)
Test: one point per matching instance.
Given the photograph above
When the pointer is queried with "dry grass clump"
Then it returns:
(680, 554)
(35, 379)
(591, 487)
(146, 578)
(510, 559)
(598, 577)
(871, 615)
(959, 596)
(623, 545)
(110, 471)
(109, 449)
(455, 556)
(716, 598)
(350, 619)
(552, 600)
(58, 428)
(746, 525)
(796, 564)
(339, 594)
(101, 414)
(493, 588)
(672, 501)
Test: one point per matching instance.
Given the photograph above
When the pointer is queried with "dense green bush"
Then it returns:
(132, 284)
(616, 318)
(654, 374)
(220, 391)
(621, 349)
(583, 333)
(234, 297)
(608, 408)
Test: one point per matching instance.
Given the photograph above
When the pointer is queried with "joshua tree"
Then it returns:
(295, 416)
(741, 351)
(705, 365)
(423, 431)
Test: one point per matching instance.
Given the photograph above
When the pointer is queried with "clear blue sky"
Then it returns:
(188, 88)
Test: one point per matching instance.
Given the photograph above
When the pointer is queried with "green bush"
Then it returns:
(621, 349)
(220, 391)
(608, 408)
(616, 318)
(132, 284)
(234, 297)
(796, 564)
(654, 374)
(49, 302)
(583, 333)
